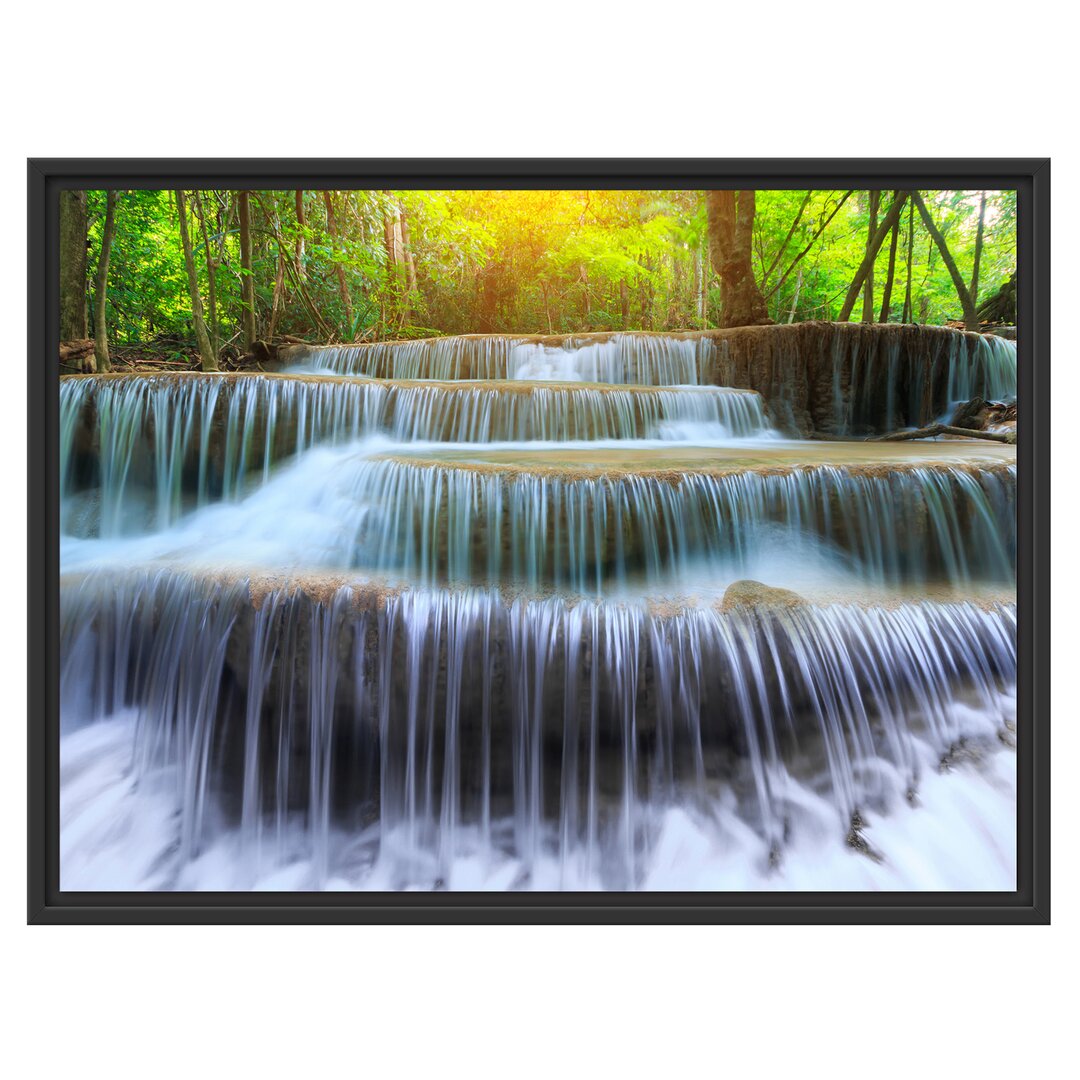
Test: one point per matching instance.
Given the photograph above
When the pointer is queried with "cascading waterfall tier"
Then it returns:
(825, 378)
(162, 443)
(598, 519)
(298, 713)
(644, 359)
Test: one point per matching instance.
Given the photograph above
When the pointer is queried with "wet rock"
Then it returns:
(970, 414)
(753, 594)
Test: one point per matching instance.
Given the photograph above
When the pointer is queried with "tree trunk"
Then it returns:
(675, 301)
(247, 277)
(394, 276)
(624, 300)
(731, 230)
(795, 298)
(868, 287)
(704, 274)
(1001, 307)
(865, 267)
(339, 267)
(211, 278)
(275, 305)
(301, 222)
(202, 338)
(645, 294)
(978, 252)
(886, 297)
(907, 313)
(410, 262)
(101, 286)
(971, 319)
(73, 266)
(410, 271)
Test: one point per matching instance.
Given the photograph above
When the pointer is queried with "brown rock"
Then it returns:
(753, 594)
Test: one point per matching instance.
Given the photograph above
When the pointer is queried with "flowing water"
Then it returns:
(640, 359)
(872, 380)
(151, 435)
(344, 632)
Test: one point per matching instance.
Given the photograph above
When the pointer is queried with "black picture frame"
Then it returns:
(1030, 903)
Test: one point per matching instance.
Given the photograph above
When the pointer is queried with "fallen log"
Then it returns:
(934, 430)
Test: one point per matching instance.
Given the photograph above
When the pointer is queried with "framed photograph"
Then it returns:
(585, 541)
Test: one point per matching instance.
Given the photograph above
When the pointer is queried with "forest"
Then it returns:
(203, 277)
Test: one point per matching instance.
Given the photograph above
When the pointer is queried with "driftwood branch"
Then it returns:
(947, 429)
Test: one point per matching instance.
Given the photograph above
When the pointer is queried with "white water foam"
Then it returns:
(958, 833)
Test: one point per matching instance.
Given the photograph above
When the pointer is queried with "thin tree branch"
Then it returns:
(813, 240)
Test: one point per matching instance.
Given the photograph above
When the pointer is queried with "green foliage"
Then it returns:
(523, 261)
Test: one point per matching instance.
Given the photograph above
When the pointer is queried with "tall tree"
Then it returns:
(247, 276)
(395, 271)
(865, 267)
(211, 276)
(339, 265)
(72, 265)
(868, 285)
(978, 251)
(906, 316)
(101, 286)
(407, 252)
(795, 298)
(301, 226)
(890, 274)
(202, 338)
(971, 318)
(731, 233)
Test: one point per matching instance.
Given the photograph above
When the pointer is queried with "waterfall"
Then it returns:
(869, 378)
(188, 441)
(876, 387)
(625, 358)
(460, 523)
(473, 613)
(324, 711)
(989, 371)
(642, 359)
(468, 357)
